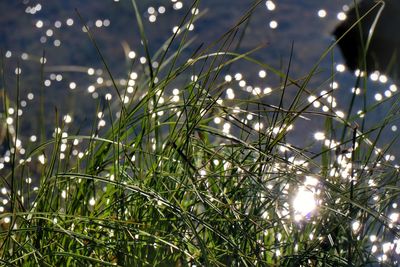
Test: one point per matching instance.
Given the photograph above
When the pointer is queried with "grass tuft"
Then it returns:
(165, 184)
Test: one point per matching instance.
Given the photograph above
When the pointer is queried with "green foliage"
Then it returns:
(164, 185)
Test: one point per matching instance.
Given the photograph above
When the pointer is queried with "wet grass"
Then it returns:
(164, 184)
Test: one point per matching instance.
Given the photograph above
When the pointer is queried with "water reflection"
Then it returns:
(278, 23)
(376, 33)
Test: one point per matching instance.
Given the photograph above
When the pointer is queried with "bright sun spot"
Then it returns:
(273, 24)
(322, 13)
(304, 202)
(319, 136)
(270, 5)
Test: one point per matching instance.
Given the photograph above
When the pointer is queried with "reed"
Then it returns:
(182, 176)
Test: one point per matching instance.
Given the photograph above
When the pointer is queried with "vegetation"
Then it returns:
(164, 184)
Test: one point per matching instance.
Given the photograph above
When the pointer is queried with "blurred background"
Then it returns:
(74, 79)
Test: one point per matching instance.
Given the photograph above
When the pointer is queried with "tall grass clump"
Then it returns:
(182, 176)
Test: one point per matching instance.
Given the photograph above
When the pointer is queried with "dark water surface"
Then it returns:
(74, 83)
(298, 22)
(29, 28)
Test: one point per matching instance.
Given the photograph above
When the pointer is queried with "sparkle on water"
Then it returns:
(305, 201)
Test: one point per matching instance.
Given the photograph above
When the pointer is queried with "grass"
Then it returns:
(164, 184)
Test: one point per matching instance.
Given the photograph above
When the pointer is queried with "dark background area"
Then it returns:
(298, 24)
